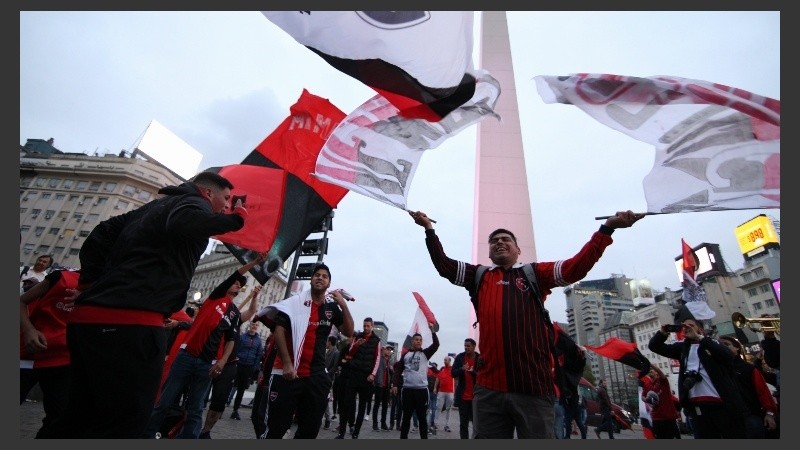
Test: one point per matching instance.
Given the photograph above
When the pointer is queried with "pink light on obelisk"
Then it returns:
(501, 182)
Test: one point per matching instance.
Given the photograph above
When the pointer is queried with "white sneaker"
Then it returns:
(414, 429)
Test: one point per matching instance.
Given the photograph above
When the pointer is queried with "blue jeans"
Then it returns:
(558, 420)
(432, 400)
(190, 371)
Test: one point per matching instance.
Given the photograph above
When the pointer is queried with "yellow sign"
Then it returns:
(755, 233)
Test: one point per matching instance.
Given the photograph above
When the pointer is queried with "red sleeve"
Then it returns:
(568, 271)
(765, 397)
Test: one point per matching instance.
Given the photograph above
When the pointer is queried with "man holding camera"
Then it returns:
(706, 383)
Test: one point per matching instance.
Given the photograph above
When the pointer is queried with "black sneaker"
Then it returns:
(375, 427)
(235, 415)
(327, 425)
(354, 436)
(339, 436)
(204, 435)
(384, 428)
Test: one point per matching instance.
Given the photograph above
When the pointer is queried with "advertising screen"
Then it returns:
(755, 233)
(776, 287)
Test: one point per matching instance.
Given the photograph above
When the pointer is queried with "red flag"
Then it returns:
(262, 192)
(422, 318)
(306, 201)
(690, 261)
(625, 352)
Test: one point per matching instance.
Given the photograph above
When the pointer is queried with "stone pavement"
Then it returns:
(31, 414)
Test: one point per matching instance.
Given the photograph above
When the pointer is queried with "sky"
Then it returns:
(223, 81)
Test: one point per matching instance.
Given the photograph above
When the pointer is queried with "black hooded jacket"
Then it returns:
(145, 259)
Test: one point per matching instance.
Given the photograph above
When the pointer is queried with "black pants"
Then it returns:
(305, 398)
(415, 400)
(464, 416)
(54, 383)
(381, 402)
(666, 429)
(607, 424)
(244, 374)
(258, 415)
(221, 387)
(115, 372)
(347, 407)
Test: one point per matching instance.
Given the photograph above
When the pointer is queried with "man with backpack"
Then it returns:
(514, 391)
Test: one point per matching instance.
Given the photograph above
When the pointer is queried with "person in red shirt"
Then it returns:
(664, 414)
(445, 388)
(44, 356)
(513, 325)
(464, 370)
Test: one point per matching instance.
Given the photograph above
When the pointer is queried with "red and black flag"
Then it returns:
(420, 61)
(622, 351)
(289, 201)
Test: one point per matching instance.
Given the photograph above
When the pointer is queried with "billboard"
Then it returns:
(776, 289)
(756, 233)
(711, 262)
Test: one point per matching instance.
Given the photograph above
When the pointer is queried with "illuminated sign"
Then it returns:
(776, 288)
(755, 234)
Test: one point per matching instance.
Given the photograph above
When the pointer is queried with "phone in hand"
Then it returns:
(674, 328)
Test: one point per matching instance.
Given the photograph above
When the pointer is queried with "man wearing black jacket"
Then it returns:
(464, 369)
(135, 272)
(707, 385)
(363, 358)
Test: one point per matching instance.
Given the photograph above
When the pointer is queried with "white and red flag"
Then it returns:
(693, 294)
(717, 147)
(422, 318)
(375, 152)
(420, 61)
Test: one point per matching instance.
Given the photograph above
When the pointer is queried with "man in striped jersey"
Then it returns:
(514, 390)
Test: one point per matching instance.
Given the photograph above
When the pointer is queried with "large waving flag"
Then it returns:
(262, 191)
(622, 351)
(693, 294)
(375, 152)
(717, 147)
(419, 60)
(305, 201)
(422, 318)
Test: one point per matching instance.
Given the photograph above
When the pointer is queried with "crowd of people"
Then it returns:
(128, 299)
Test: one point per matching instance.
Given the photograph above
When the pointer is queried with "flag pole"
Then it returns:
(646, 214)
(408, 210)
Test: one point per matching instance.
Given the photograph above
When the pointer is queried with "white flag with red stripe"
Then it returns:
(375, 152)
(717, 147)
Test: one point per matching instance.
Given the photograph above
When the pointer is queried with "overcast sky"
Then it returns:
(222, 81)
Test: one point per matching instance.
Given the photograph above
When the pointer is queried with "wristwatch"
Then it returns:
(770, 413)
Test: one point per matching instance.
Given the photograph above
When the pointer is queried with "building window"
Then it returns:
(49, 213)
(68, 184)
(129, 190)
(88, 199)
(73, 198)
(74, 251)
(25, 182)
(31, 195)
(145, 196)
(24, 228)
(84, 233)
(752, 292)
(46, 195)
(41, 182)
(93, 217)
(110, 186)
(53, 231)
(43, 249)
(757, 306)
(77, 216)
(759, 272)
(61, 196)
(102, 200)
(82, 185)
(28, 248)
(23, 210)
(95, 186)
(122, 204)
(35, 211)
(770, 303)
(39, 231)
(746, 276)
(54, 182)
(58, 251)
(63, 215)
(764, 288)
